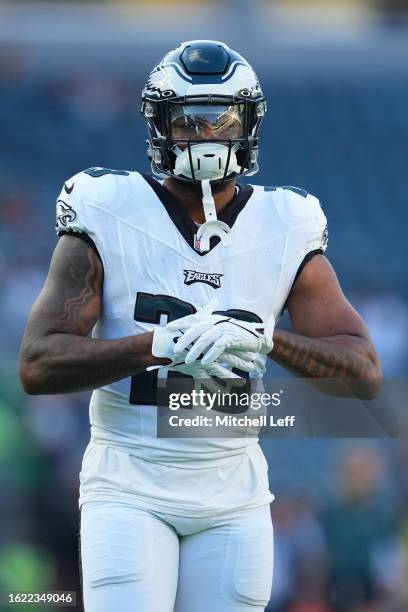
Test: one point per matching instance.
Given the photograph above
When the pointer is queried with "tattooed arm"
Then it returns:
(330, 339)
(56, 355)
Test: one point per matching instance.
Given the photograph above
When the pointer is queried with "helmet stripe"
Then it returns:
(177, 68)
(232, 70)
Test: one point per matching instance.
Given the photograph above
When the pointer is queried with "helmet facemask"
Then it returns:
(195, 139)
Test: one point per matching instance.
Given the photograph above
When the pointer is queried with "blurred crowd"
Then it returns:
(347, 551)
(341, 513)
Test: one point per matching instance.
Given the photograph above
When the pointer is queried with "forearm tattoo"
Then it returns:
(315, 358)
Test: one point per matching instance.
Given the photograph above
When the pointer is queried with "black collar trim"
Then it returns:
(185, 224)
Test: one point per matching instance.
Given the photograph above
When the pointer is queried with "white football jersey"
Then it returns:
(152, 269)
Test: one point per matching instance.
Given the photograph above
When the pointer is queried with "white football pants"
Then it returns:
(136, 560)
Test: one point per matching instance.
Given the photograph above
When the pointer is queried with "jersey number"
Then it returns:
(298, 190)
(148, 309)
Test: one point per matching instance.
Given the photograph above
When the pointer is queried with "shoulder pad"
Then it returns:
(301, 213)
(95, 184)
(301, 205)
(100, 186)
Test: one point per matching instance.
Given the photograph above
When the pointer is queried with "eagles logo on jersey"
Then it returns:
(191, 276)
(325, 237)
(65, 215)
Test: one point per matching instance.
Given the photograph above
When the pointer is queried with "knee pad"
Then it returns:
(247, 572)
(115, 551)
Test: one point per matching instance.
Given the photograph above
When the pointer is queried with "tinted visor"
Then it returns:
(206, 122)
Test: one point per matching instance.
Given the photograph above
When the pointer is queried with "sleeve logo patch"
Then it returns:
(65, 214)
(325, 237)
(191, 277)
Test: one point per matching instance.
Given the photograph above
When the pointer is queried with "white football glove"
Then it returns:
(218, 337)
(166, 336)
(165, 341)
(206, 376)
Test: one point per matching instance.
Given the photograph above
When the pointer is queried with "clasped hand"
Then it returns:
(207, 344)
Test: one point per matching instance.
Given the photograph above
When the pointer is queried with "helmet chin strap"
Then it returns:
(212, 226)
(208, 161)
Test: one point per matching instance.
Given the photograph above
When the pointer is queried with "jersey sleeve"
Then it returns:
(307, 238)
(72, 214)
(310, 225)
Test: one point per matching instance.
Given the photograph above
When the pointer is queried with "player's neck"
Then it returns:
(191, 197)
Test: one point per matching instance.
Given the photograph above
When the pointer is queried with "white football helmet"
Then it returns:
(203, 105)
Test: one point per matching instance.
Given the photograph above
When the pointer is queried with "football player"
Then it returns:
(173, 524)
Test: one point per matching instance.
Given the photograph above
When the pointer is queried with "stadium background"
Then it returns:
(336, 79)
